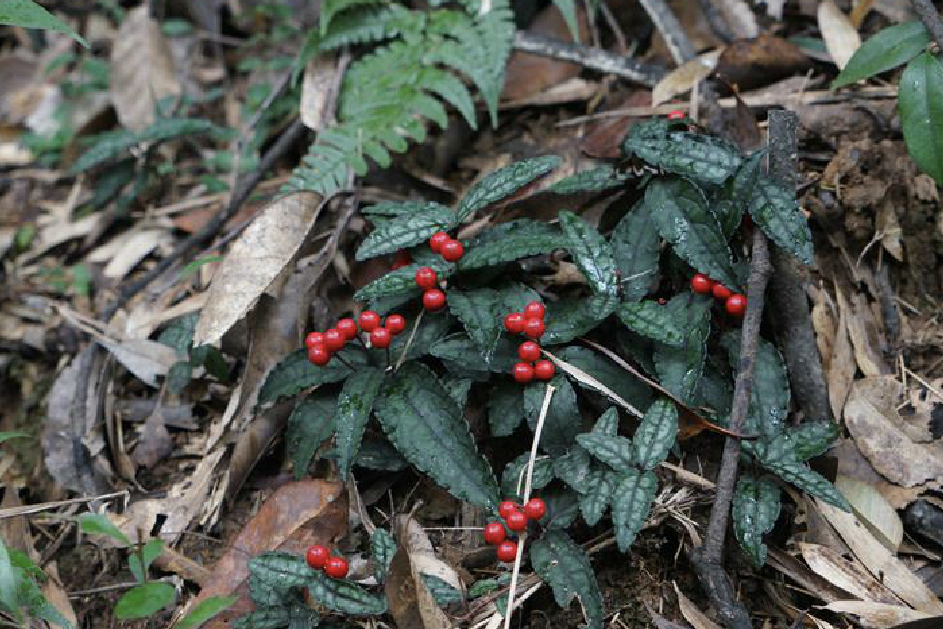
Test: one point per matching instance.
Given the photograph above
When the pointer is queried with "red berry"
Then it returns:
(506, 508)
(452, 251)
(426, 277)
(701, 284)
(514, 323)
(438, 239)
(535, 310)
(381, 338)
(319, 354)
(317, 556)
(534, 328)
(402, 259)
(720, 291)
(348, 328)
(493, 533)
(313, 338)
(544, 370)
(677, 114)
(535, 509)
(507, 551)
(334, 339)
(395, 324)
(369, 321)
(662, 301)
(336, 568)
(523, 373)
(517, 521)
(433, 299)
(736, 304)
(529, 351)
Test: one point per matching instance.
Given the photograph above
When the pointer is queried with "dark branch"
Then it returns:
(930, 18)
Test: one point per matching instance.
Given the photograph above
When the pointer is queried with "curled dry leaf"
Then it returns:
(877, 615)
(841, 38)
(850, 576)
(254, 261)
(298, 514)
(142, 70)
(752, 63)
(691, 613)
(319, 78)
(684, 77)
(145, 359)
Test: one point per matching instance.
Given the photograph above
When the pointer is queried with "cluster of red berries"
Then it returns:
(531, 324)
(451, 250)
(734, 303)
(516, 520)
(322, 345)
(677, 114)
(320, 558)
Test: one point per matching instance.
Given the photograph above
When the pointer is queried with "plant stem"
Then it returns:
(930, 18)
(346, 364)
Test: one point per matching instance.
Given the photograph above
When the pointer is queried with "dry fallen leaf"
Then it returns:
(850, 576)
(888, 228)
(739, 17)
(841, 38)
(142, 71)
(319, 77)
(877, 615)
(255, 259)
(873, 510)
(842, 368)
(691, 613)
(752, 63)
(684, 77)
(133, 249)
(145, 359)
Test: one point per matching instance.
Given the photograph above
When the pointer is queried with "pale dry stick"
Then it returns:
(12, 512)
(667, 24)
(527, 487)
(589, 380)
(409, 341)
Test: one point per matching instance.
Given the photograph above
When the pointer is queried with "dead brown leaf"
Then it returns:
(841, 38)
(752, 63)
(873, 510)
(850, 576)
(298, 514)
(684, 77)
(877, 615)
(142, 70)
(255, 259)
(320, 76)
(841, 373)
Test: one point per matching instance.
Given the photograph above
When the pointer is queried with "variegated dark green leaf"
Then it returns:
(656, 434)
(614, 377)
(481, 312)
(502, 183)
(401, 280)
(613, 450)
(574, 468)
(652, 320)
(684, 218)
(769, 403)
(595, 500)
(295, 373)
(391, 209)
(271, 617)
(505, 408)
(597, 179)
(562, 423)
(310, 424)
(511, 241)
(458, 348)
(382, 547)
(608, 423)
(636, 247)
(431, 330)
(404, 231)
(570, 318)
(353, 410)
(442, 591)
(754, 512)
(591, 253)
(679, 368)
(693, 155)
(562, 508)
(780, 457)
(424, 424)
(512, 480)
(562, 563)
(631, 503)
(813, 438)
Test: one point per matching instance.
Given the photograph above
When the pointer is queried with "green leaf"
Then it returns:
(636, 247)
(781, 458)
(330, 9)
(679, 368)
(693, 155)
(383, 548)
(28, 14)
(512, 480)
(570, 318)
(100, 524)
(607, 373)
(458, 389)
(597, 179)
(920, 99)
(402, 280)
(431, 330)
(310, 424)
(813, 438)
(591, 253)
(769, 403)
(205, 610)
(399, 208)
(596, 499)
(460, 350)
(378, 454)
(574, 468)
(631, 503)
(295, 373)
(404, 231)
(656, 434)
(502, 183)
(568, 11)
(481, 312)
(442, 591)
(144, 600)
(774, 209)
(511, 241)
(139, 564)
(562, 423)
(487, 586)
(754, 511)
(12, 435)
(8, 581)
(178, 334)
(353, 411)
(271, 617)
(565, 567)
(505, 408)
(684, 219)
(426, 427)
(562, 508)
(886, 49)
(615, 451)
(608, 423)
(652, 320)
(178, 376)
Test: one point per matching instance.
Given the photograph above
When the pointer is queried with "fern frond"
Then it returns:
(330, 8)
